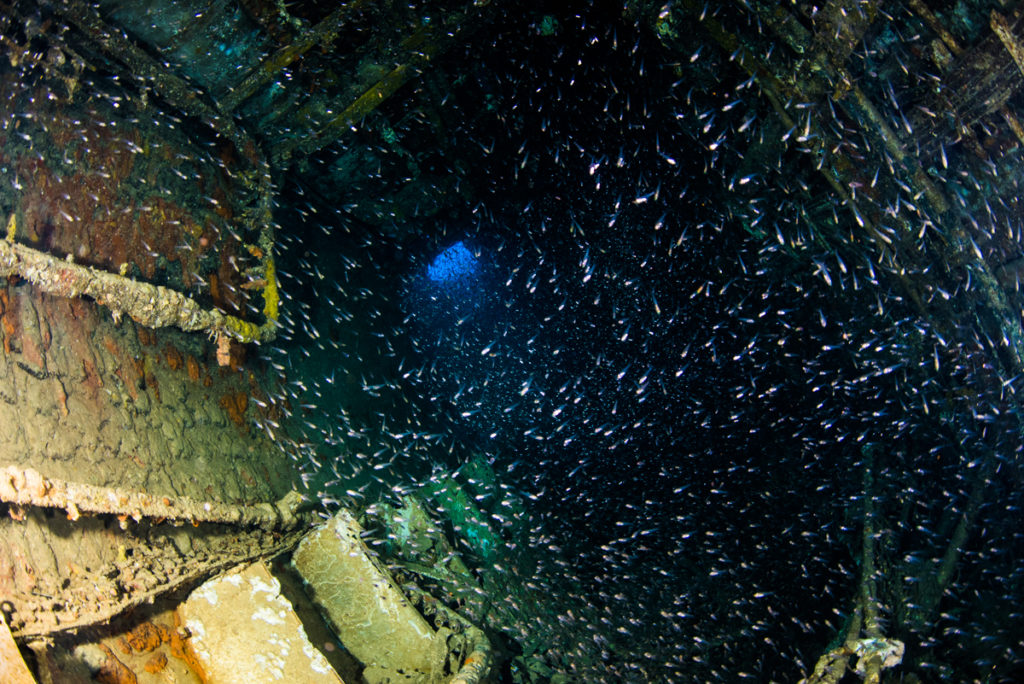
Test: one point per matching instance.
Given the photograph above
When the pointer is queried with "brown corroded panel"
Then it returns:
(99, 406)
(110, 183)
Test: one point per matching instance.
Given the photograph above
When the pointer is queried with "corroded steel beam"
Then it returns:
(150, 305)
(27, 487)
(321, 34)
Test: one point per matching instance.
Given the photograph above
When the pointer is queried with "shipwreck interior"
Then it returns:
(508, 341)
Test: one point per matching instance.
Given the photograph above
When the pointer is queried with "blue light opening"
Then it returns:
(453, 264)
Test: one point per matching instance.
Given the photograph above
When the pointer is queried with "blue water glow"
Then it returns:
(456, 263)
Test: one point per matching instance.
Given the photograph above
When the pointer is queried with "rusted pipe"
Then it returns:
(27, 487)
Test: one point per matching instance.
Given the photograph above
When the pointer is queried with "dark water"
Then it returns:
(669, 343)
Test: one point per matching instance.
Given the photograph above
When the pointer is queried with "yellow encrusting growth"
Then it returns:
(243, 331)
(270, 290)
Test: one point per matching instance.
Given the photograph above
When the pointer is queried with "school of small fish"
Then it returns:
(675, 343)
